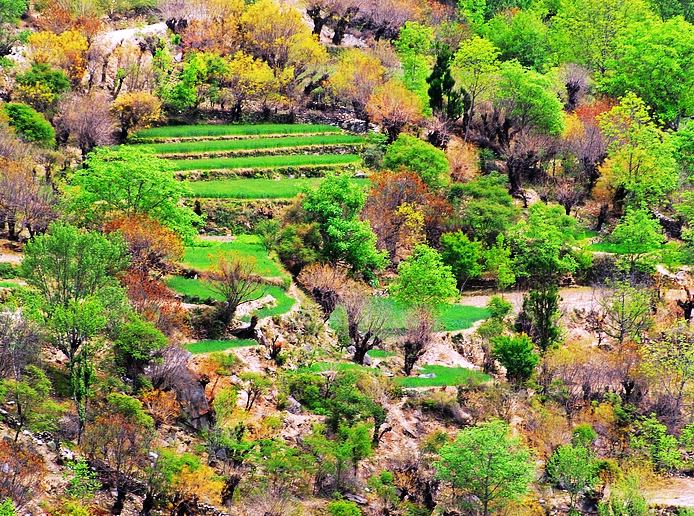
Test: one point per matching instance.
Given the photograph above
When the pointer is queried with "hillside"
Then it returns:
(346, 257)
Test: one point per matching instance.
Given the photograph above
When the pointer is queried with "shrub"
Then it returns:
(517, 355)
(30, 124)
(418, 156)
(343, 508)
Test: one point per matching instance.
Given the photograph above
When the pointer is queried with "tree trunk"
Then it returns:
(120, 500)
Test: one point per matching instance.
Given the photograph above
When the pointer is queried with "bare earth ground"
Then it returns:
(674, 491)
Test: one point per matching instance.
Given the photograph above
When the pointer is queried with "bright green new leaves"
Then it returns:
(521, 36)
(640, 156)
(640, 236)
(31, 125)
(474, 68)
(421, 157)
(424, 280)
(31, 405)
(335, 206)
(655, 61)
(414, 45)
(465, 256)
(585, 31)
(530, 99)
(573, 468)
(129, 181)
(485, 461)
(73, 273)
(541, 245)
(517, 355)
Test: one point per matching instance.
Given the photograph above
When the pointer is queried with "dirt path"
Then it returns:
(678, 492)
(571, 298)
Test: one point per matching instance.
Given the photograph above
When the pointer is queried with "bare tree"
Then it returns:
(26, 202)
(86, 120)
(235, 280)
(324, 282)
(418, 337)
(20, 344)
(366, 318)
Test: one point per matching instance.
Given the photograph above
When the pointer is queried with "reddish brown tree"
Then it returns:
(153, 248)
(85, 120)
(155, 302)
(21, 472)
(419, 335)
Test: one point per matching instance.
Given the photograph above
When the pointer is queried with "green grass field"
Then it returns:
(199, 291)
(445, 376)
(451, 317)
(204, 257)
(212, 146)
(193, 289)
(211, 346)
(266, 162)
(260, 188)
(322, 367)
(202, 130)
(379, 353)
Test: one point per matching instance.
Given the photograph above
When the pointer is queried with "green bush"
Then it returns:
(343, 508)
(30, 124)
(420, 157)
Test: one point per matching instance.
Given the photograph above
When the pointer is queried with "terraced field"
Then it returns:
(234, 161)
(183, 132)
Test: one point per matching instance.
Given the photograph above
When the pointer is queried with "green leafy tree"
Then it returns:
(486, 208)
(574, 469)
(424, 280)
(627, 311)
(413, 45)
(486, 462)
(343, 508)
(521, 36)
(653, 60)
(444, 97)
(30, 125)
(474, 68)
(31, 404)
(136, 345)
(129, 181)
(641, 159)
(465, 256)
(421, 157)
(640, 237)
(75, 293)
(83, 482)
(7, 508)
(12, 10)
(586, 32)
(499, 261)
(42, 86)
(652, 438)
(541, 311)
(517, 355)
(335, 456)
(335, 206)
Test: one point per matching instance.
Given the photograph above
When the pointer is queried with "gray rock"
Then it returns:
(427, 375)
(293, 406)
(351, 350)
(356, 499)
(368, 361)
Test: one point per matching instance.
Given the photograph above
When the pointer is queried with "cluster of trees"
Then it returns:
(507, 128)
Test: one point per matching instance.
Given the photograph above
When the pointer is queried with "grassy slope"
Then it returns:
(260, 188)
(209, 146)
(451, 317)
(204, 257)
(211, 346)
(292, 160)
(198, 130)
(444, 376)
